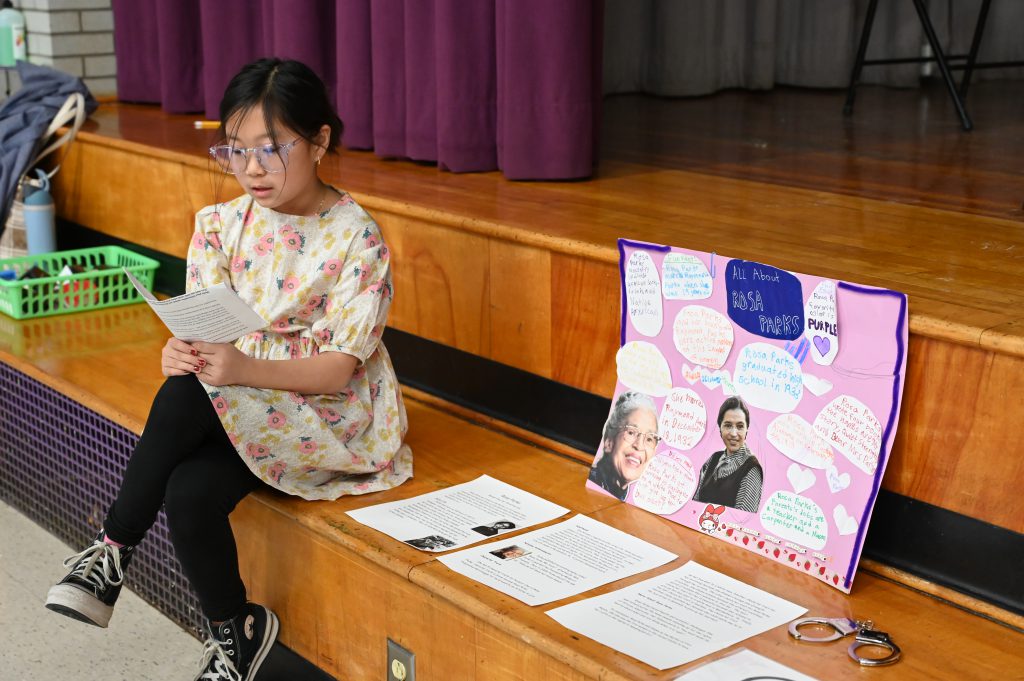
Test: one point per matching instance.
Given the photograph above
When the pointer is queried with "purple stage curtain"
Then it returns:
(473, 85)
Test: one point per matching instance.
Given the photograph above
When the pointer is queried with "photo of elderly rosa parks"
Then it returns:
(628, 444)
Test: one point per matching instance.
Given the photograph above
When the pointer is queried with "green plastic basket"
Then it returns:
(89, 290)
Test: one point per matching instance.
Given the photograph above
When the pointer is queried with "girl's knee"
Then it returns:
(181, 403)
(175, 389)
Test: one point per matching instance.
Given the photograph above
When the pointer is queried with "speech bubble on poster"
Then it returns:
(683, 419)
(642, 367)
(764, 300)
(792, 435)
(768, 377)
(822, 323)
(685, 277)
(703, 336)
(850, 426)
(643, 294)
(795, 518)
(667, 484)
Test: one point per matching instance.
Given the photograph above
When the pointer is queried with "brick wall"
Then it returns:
(75, 36)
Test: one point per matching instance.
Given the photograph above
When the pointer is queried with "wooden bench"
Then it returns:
(341, 588)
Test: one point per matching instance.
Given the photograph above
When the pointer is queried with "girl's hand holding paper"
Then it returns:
(223, 363)
(178, 358)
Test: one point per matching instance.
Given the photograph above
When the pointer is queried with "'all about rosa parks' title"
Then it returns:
(783, 325)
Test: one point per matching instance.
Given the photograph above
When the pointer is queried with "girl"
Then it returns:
(309, 406)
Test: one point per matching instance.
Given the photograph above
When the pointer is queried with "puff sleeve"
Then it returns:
(206, 264)
(357, 305)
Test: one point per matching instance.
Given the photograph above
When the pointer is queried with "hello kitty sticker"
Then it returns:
(708, 520)
(754, 404)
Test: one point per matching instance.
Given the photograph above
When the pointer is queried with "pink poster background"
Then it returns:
(822, 449)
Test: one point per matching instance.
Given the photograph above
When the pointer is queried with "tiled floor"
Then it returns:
(39, 645)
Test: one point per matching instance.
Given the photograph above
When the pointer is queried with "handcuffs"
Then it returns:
(865, 635)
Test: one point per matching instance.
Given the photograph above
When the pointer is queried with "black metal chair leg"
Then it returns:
(858, 64)
(940, 59)
(979, 28)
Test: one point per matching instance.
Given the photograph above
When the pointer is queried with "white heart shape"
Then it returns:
(837, 482)
(845, 523)
(817, 385)
(713, 379)
(800, 478)
(691, 374)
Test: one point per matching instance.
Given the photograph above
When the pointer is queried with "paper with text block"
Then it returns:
(558, 561)
(744, 665)
(459, 515)
(215, 314)
(677, 617)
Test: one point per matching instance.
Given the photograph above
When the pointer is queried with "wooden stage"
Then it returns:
(899, 145)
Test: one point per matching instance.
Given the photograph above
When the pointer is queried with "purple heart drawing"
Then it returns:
(822, 345)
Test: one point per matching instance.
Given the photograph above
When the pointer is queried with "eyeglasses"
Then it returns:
(273, 158)
(630, 434)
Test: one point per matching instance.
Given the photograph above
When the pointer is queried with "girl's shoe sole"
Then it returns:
(269, 636)
(77, 604)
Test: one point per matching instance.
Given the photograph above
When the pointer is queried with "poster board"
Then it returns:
(818, 366)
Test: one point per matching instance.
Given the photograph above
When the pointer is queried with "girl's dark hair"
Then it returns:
(733, 403)
(290, 93)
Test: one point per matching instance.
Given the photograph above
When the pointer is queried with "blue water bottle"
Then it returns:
(40, 225)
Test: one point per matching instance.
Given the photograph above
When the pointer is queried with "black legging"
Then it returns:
(185, 461)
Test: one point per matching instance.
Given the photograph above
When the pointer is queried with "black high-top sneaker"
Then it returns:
(237, 648)
(89, 591)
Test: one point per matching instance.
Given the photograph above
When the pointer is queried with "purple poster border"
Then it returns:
(890, 423)
(623, 243)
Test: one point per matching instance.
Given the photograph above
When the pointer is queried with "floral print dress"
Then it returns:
(324, 284)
